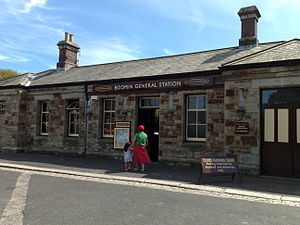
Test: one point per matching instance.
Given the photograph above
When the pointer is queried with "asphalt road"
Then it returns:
(63, 201)
(7, 185)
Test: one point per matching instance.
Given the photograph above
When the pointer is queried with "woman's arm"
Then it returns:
(133, 139)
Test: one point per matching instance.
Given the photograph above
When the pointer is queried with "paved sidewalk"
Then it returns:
(186, 177)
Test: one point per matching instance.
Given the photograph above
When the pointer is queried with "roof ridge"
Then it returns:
(282, 43)
(170, 56)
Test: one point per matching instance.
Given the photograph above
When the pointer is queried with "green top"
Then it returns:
(141, 138)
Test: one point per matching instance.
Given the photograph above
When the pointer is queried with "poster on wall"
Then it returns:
(121, 136)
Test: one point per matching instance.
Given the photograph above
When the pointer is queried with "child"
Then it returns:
(128, 152)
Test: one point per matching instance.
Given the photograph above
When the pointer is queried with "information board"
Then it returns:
(121, 137)
(219, 165)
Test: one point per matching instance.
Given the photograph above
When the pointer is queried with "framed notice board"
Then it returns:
(121, 134)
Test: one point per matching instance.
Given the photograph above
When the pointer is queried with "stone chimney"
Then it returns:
(249, 17)
(67, 53)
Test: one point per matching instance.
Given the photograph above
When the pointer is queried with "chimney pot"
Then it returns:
(66, 36)
(71, 37)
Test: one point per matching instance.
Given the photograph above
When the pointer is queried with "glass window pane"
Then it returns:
(192, 102)
(281, 96)
(201, 131)
(191, 117)
(107, 104)
(191, 132)
(44, 107)
(201, 117)
(151, 102)
(73, 117)
(157, 101)
(113, 117)
(143, 102)
(113, 104)
(283, 125)
(44, 128)
(72, 128)
(107, 129)
(107, 117)
(269, 123)
(201, 102)
(44, 117)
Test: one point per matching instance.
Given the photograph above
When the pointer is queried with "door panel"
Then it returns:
(280, 146)
(277, 151)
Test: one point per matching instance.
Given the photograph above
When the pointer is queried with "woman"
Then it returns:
(140, 141)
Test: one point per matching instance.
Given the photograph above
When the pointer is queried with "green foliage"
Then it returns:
(7, 73)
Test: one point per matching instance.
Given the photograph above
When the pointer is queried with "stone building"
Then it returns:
(240, 101)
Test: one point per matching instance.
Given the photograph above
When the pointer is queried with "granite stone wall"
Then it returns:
(239, 88)
(243, 87)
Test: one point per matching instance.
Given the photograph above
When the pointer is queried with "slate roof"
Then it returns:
(12, 81)
(206, 61)
(289, 50)
(24, 79)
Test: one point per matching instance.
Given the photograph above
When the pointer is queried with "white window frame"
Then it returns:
(44, 115)
(111, 122)
(197, 109)
(73, 112)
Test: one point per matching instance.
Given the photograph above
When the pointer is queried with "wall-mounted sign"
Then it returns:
(152, 85)
(122, 124)
(241, 128)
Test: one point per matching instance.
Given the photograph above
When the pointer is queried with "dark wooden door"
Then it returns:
(150, 119)
(296, 147)
(280, 153)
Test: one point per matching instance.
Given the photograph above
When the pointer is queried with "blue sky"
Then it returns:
(118, 30)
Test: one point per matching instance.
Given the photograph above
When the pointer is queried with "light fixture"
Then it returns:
(241, 112)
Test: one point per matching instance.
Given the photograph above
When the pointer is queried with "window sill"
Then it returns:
(194, 144)
(106, 139)
(70, 140)
(41, 137)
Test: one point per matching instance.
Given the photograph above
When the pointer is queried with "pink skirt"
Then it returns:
(141, 154)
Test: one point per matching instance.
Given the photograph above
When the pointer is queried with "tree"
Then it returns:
(7, 73)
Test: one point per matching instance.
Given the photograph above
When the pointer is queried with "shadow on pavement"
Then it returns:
(189, 175)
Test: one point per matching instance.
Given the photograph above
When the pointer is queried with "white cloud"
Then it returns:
(27, 36)
(98, 50)
(168, 52)
(31, 4)
(51, 66)
(2, 57)
(14, 58)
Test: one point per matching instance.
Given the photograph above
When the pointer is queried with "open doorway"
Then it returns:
(148, 115)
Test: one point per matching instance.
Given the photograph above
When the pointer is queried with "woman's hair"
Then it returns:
(126, 146)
